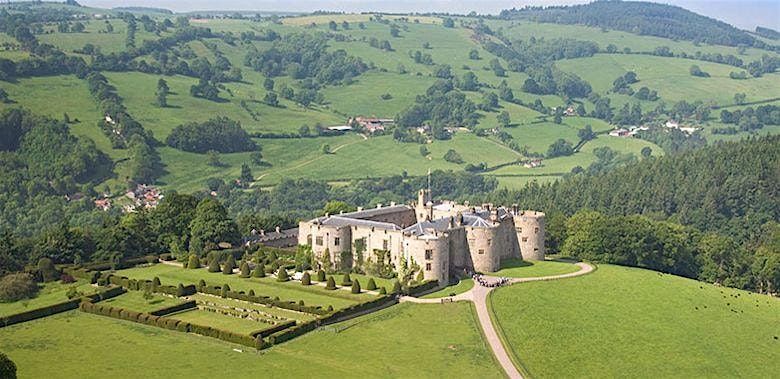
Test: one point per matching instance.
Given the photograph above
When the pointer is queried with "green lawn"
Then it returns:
(630, 322)
(289, 291)
(462, 286)
(50, 293)
(407, 340)
(518, 268)
(363, 279)
(220, 321)
(200, 297)
(134, 301)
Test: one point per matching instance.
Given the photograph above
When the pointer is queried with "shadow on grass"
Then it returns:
(515, 263)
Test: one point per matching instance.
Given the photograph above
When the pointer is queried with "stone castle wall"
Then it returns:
(529, 226)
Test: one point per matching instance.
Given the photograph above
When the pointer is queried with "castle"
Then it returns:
(441, 238)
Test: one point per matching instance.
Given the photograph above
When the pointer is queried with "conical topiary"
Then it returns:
(244, 270)
(230, 264)
(420, 277)
(320, 276)
(396, 287)
(201, 285)
(331, 285)
(251, 293)
(346, 281)
(214, 265)
(355, 287)
(306, 279)
(371, 285)
(225, 290)
(282, 276)
(259, 271)
(383, 291)
(193, 262)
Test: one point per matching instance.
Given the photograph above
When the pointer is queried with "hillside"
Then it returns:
(642, 18)
(630, 322)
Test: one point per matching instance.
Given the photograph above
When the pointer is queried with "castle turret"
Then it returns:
(529, 226)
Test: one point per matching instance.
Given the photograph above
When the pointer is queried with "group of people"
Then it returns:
(489, 283)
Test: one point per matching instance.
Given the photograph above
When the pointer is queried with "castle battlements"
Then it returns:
(440, 237)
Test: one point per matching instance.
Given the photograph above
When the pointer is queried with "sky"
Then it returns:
(745, 14)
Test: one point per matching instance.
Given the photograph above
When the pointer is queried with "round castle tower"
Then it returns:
(529, 226)
(431, 253)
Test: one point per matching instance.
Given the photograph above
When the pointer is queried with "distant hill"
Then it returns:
(767, 33)
(642, 18)
(143, 10)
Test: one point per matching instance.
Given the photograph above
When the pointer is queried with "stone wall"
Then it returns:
(529, 226)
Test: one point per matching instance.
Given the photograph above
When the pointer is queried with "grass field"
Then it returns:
(288, 291)
(134, 301)
(50, 293)
(630, 322)
(518, 268)
(462, 286)
(445, 337)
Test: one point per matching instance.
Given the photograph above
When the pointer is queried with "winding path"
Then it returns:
(479, 295)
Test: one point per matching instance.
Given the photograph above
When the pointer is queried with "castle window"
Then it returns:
(319, 240)
(525, 239)
(384, 244)
(308, 239)
(428, 254)
(536, 249)
(336, 241)
(427, 267)
(481, 251)
(489, 242)
(536, 230)
(519, 229)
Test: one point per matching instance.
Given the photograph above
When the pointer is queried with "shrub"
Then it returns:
(48, 272)
(201, 285)
(382, 291)
(193, 262)
(259, 271)
(7, 367)
(244, 270)
(252, 293)
(67, 279)
(396, 287)
(355, 287)
(214, 264)
(225, 290)
(420, 277)
(331, 284)
(320, 276)
(306, 279)
(371, 285)
(330, 308)
(156, 282)
(346, 281)
(229, 265)
(19, 286)
(282, 276)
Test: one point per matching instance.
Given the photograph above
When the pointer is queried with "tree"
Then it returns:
(739, 98)
(346, 280)
(503, 119)
(469, 82)
(332, 25)
(371, 285)
(355, 287)
(336, 206)
(47, 270)
(7, 367)
(448, 22)
(162, 93)
(213, 159)
(474, 54)
(18, 286)
(246, 174)
(420, 277)
(211, 226)
(424, 151)
(230, 264)
(453, 157)
(383, 290)
(696, 71)
(4, 97)
(193, 262)
(257, 157)
(244, 270)
(326, 149)
(214, 264)
(259, 271)
(331, 284)
(145, 163)
(271, 99)
(560, 148)
(395, 31)
(646, 152)
(586, 133)
(320, 276)
(282, 275)
(306, 279)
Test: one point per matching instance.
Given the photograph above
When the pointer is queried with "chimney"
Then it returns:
(360, 209)
(262, 232)
(278, 229)
(514, 209)
(379, 206)
(466, 203)
(392, 203)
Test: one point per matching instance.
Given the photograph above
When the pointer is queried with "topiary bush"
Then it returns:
(320, 276)
(306, 279)
(355, 287)
(229, 265)
(244, 270)
(259, 271)
(47, 270)
(282, 276)
(331, 285)
(224, 291)
(214, 264)
(201, 285)
(19, 286)
(346, 281)
(383, 291)
(396, 287)
(7, 367)
(371, 285)
(193, 262)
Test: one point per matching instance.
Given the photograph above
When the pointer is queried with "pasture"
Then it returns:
(607, 322)
(518, 268)
(443, 336)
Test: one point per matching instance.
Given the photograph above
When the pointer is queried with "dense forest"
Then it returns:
(220, 134)
(644, 18)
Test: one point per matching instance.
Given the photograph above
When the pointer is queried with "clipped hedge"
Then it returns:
(83, 273)
(422, 287)
(64, 306)
(274, 329)
(104, 266)
(359, 308)
(174, 308)
(293, 332)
